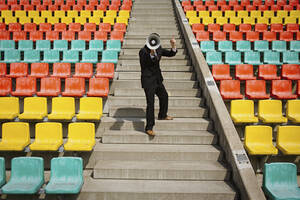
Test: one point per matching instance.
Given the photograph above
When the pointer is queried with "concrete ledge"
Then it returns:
(139, 92)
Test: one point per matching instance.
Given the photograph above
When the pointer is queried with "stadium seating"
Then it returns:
(74, 87)
(288, 140)
(50, 86)
(105, 70)
(244, 72)
(39, 70)
(290, 71)
(83, 70)
(230, 89)
(63, 108)
(34, 108)
(98, 87)
(282, 89)
(292, 110)
(5, 86)
(9, 107)
(18, 70)
(25, 86)
(270, 111)
(256, 89)
(268, 72)
(90, 108)
(242, 111)
(221, 72)
(61, 70)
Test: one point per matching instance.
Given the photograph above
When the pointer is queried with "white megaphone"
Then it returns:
(153, 41)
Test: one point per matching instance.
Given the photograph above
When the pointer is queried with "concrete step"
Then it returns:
(135, 68)
(162, 62)
(135, 57)
(124, 111)
(98, 189)
(135, 52)
(144, 35)
(138, 124)
(169, 84)
(158, 170)
(161, 137)
(166, 75)
(139, 92)
(139, 43)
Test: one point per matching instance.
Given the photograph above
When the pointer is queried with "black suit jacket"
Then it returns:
(150, 70)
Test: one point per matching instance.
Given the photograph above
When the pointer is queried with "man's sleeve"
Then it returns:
(168, 53)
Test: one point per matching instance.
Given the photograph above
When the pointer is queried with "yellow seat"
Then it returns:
(216, 13)
(242, 13)
(72, 13)
(66, 20)
(263, 20)
(48, 137)
(288, 140)
(255, 13)
(78, 141)
(80, 20)
(9, 20)
(6, 13)
(90, 108)
(34, 108)
(194, 20)
(282, 13)
(191, 13)
(95, 20)
(276, 20)
(85, 13)
(109, 20)
(46, 13)
(235, 20)
(270, 111)
(295, 13)
(62, 108)
(290, 20)
(222, 20)
(230, 13)
(20, 13)
(258, 140)
(122, 20)
(53, 20)
(208, 20)
(249, 20)
(242, 111)
(59, 13)
(39, 20)
(98, 13)
(269, 13)
(124, 13)
(293, 110)
(203, 14)
(9, 107)
(33, 13)
(24, 20)
(15, 136)
(111, 13)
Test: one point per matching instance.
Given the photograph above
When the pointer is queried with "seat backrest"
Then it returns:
(60, 27)
(290, 71)
(242, 107)
(90, 105)
(62, 70)
(51, 84)
(90, 27)
(27, 84)
(113, 44)
(261, 27)
(63, 105)
(267, 72)
(17, 132)
(105, 70)
(235, 36)
(229, 27)
(9, 105)
(75, 131)
(99, 84)
(106, 27)
(220, 70)
(269, 35)
(219, 36)
(35, 105)
(255, 87)
(261, 45)
(288, 135)
(270, 107)
(39, 70)
(2, 69)
(293, 107)
(230, 86)
(75, 84)
(75, 27)
(281, 86)
(5, 86)
(286, 36)
(48, 131)
(116, 35)
(252, 36)
(18, 69)
(213, 27)
(2, 171)
(243, 70)
(83, 70)
(100, 35)
(84, 35)
(258, 135)
(120, 27)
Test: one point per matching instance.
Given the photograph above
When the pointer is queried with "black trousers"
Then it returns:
(162, 95)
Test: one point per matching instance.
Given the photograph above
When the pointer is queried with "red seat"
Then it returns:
(276, 7)
(244, 72)
(35, 2)
(18, 70)
(84, 35)
(238, 7)
(261, 27)
(202, 36)
(298, 91)
(25, 86)
(113, 7)
(28, 7)
(12, 2)
(276, 28)
(263, 7)
(113, 2)
(2, 27)
(18, 7)
(5, 86)
(45, 27)
(245, 2)
(282, 89)
(24, 2)
(125, 7)
(105, 70)
(209, 2)
(52, 35)
(90, 27)
(59, 2)
(269, 35)
(100, 35)
(225, 7)
(290, 71)
(53, 7)
(245, 27)
(61, 70)
(286, 36)
(213, 27)
(93, 2)
(292, 27)
(288, 7)
(14, 27)
(98, 87)
(60, 27)
(268, 72)
(19, 35)
(4, 35)
(83, 70)
(197, 27)
(36, 35)
(298, 36)
(99, 7)
(106, 27)
(293, 2)
(213, 7)
(233, 2)
(250, 7)
(198, 2)
(2, 69)
(256, 89)
(221, 72)
(70, 2)
(120, 27)
(219, 36)
(185, 3)
(270, 2)
(230, 89)
(117, 35)
(68, 35)
(39, 70)
(81, 2)
(30, 27)
(74, 87)
(188, 8)
(221, 2)
(201, 8)
(236, 36)
(78, 7)
(252, 36)
(4, 7)
(75, 27)
(256, 2)
(50, 86)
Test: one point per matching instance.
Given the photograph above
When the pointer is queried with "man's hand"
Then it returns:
(173, 43)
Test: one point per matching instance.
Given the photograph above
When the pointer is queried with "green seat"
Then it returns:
(290, 57)
(70, 56)
(2, 172)
(27, 176)
(243, 46)
(295, 45)
(206, 46)
(25, 45)
(261, 45)
(43, 45)
(7, 44)
(51, 56)
(32, 56)
(279, 45)
(252, 57)
(89, 56)
(96, 45)
(114, 45)
(11, 56)
(280, 181)
(78, 45)
(272, 57)
(66, 176)
(109, 56)
(233, 58)
(214, 58)
(225, 46)
(60, 45)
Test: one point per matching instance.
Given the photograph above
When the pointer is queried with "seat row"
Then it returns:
(256, 89)
(27, 176)
(240, 8)
(269, 111)
(63, 108)
(265, 72)
(239, 2)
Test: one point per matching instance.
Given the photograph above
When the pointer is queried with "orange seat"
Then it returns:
(225, 7)
(292, 27)
(47, 2)
(40, 7)
(61, 70)
(125, 7)
(39, 70)
(286, 36)
(5, 86)
(256, 89)
(105, 70)
(19, 35)
(200, 8)
(271, 2)
(261, 27)
(244, 72)
(263, 7)
(45, 27)
(36, 35)
(84, 35)
(117, 35)
(268, 72)
(52, 35)
(12, 27)
(282, 89)
(83, 70)
(78, 7)
(245, 2)
(277, 27)
(50, 86)
(120, 27)
(252, 36)
(2, 26)
(197, 3)
(298, 88)
(35, 2)
(106, 27)
(245, 28)
(269, 35)
(53, 7)
(209, 3)
(90, 27)
(276, 7)
(298, 36)
(213, 27)
(76, 27)
(113, 7)
(81, 2)
(256, 2)
(238, 7)
(221, 72)
(99, 7)
(68, 35)
(197, 27)
(100, 35)
(98, 87)
(236, 36)
(290, 71)
(230, 89)
(2, 69)
(70, 2)
(60, 27)
(185, 3)
(4, 35)
(30, 27)
(221, 2)
(74, 87)
(219, 36)
(25, 86)
(93, 2)
(18, 70)
(233, 2)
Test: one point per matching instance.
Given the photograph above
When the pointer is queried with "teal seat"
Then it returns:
(279, 45)
(225, 46)
(214, 58)
(60, 45)
(43, 45)
(89, 56)
(207, 46)
(2, 172)
(114, 45)
(70, 56)
(66, 176)
(96, 45)
(32, 56)
(280, 181)
(261, 45)
(78, 45)
(243, 46)
(11, 56)
(24, 45)
(295, 45)
(51, 56)
(7, 44)
(109, 56)
(233, 58)
(290, 57)
(272, 57)
(27, 176)
(252, 57)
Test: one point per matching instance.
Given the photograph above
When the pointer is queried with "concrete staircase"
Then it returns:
(183, 161)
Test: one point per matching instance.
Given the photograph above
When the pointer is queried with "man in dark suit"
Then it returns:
(152, 82)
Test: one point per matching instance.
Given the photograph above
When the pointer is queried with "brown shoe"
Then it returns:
(166, 118)
(150, 132)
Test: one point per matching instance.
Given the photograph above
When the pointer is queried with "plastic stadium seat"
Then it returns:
(269, 35)
(25, 86)
(45, 27)
(74, 87)
(243, 46)
(27, 176)
(279, 45)
(295, 46)
(271, 57)
(213, 27)
(282, 89)
(258, 140)
(249, 20)
(105, 70)
(83, 70)
(106, 27)
(252, 36)
(91, 27)
(244, 72)
(14, 27)
(221, 72)
(84, 35)
(108, 19)
(98, 87)
(5, 86)
(70, 56)
(19, 35)
(11, 56)
(256, 89)
(96, 45)
(117, 35)
(36, 35)
(276, 27)
(2, 69)
(100, 35)
(79, 142)
(34, 108)
(120, 27)
(61, 70)
(219, 36)
(78, 45)
(31, 56)
(4, 35)
(24, 45)
(90, 108)
(109, 56)
(53, 35)
(270, 111)
(202, 36)
(206, 46)
(230, 89)
(290, 57)
(286, 36)
(60, 45)
(290, 71)
(50, 86)
(268, 72)
(68, 35)
(245, 27)
(60, 27)
(252, 57)
(255, 13)
(9, 107)
(7, 45)
(63, 108)
(214, 58)
(89, 56)
(30, 27)
(229, 28)
(51, 56)
(208, 20)
(43, 45)
(242, 111)
(233, 57)
(292, 110)
(292, 27)
(18, 70)
(2, 172)
(39, 70)
(76, 27)
(114, 45)
(261, 45)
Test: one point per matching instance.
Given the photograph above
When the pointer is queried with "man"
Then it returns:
(152, 82)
